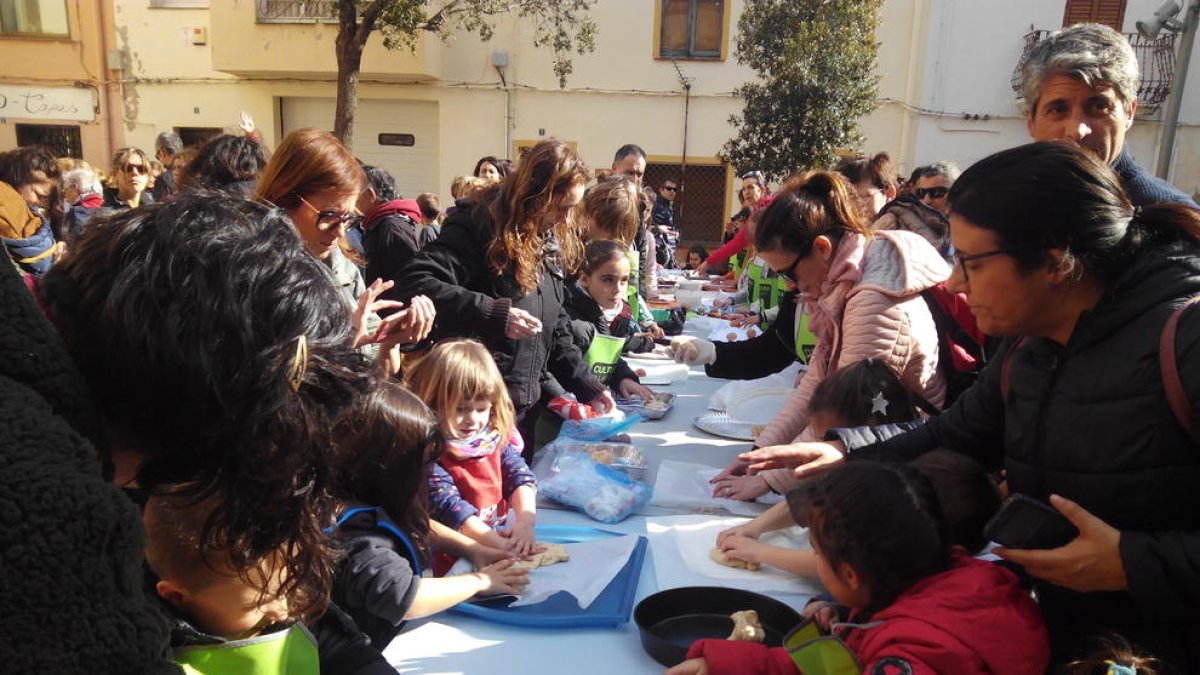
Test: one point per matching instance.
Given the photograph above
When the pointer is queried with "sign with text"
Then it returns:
(46, 103)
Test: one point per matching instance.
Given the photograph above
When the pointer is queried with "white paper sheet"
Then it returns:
(739, 389)
(685, 485)
(592, 566)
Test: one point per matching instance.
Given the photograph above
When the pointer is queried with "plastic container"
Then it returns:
(655, 410)
(628, 458)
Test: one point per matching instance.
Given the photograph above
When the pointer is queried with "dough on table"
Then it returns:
(756, 429)
(718, 556)
(747, 627)
(554, 553)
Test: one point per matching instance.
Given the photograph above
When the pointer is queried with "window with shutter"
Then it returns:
(692, 29)
(1111, 13)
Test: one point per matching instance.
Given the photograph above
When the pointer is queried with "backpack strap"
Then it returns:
(1176, 396)
(1006, 368)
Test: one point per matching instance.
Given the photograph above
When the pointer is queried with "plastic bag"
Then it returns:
(604, 428)
(567, 474)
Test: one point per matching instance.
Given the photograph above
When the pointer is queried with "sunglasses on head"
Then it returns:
(756, 175)
(932, 193)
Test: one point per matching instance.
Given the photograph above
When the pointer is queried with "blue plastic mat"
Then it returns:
(611, 608)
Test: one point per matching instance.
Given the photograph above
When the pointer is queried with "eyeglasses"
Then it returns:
(135, 169)
(327, 220)
(670, 188)
(960, 260)
(932, 193)
(790, 273)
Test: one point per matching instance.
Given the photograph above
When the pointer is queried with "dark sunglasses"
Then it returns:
(756, 175)
(670, 188)
(789, 274)
(135, 169)
(932, 193)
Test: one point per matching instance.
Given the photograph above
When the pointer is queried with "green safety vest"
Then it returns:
(765, 287)
(634, 277)
(806, 342)
(602, 355)
(735, 264)
(813, 652)
(286, 652)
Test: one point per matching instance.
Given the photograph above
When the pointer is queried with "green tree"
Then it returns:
(562, 25)
(815, 64)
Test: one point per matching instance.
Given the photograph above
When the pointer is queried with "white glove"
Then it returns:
(693, 351)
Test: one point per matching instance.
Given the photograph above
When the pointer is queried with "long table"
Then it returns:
(453, 643)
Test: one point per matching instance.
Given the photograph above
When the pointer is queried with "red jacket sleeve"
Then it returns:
(737, 657)
(730, 249)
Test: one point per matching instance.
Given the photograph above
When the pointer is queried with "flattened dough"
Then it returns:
(747, 627)
(720, 558)
(554, 553)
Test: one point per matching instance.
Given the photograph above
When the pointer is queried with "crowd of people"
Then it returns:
(315, 394)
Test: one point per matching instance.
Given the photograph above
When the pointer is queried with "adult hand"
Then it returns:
(747, 319)
(654, 331)
(504, 578)
(745, 530)
(693, 351)
(807, 459)
(1092, 562)
(408, 325)
(689, 667)
(722, 302)
(246, 123)
(744, 488)
(743, 548)
(369, 303)
(521, 324)
(631, 388)
(603, 403)
(825, 613)
(735, 468)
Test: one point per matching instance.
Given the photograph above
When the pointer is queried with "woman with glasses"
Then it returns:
(1050, 252)
(863, 291)
(496, 274)
(127, 188)
(317, 181)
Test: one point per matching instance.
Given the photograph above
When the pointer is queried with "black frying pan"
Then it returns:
(670, 621)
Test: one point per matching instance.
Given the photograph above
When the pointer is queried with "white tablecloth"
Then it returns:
(451, 643)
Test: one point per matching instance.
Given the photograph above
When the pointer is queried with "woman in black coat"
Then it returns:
(1050, 252)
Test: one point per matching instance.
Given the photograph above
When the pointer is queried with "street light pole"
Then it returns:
(1171, 121)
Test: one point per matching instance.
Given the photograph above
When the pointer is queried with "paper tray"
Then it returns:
(611, 608)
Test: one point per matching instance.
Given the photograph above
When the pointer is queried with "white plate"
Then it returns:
(758, 407)
(719, 423)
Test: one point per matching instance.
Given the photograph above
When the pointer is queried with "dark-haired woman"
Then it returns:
(29, 188)
(1049, 249)
(863, 293)
(228, 163)
(491, 169)
(496, 273)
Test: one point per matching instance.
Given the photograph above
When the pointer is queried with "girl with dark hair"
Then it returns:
(496, 273)
(384, 450)
(862, 289)
(873, 178)
(491, 169)
(29, 208)
(1049, 250)
(228, 163)
(910, 607)
(875, 182)
(697, 254)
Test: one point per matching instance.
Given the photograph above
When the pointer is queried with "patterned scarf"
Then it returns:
(480, 444)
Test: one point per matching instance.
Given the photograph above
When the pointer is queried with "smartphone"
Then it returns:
(1025, 522)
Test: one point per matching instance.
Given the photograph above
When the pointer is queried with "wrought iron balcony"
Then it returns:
(297, 11)
(1156, 65)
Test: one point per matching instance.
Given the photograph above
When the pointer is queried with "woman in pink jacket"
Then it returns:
(863, 292)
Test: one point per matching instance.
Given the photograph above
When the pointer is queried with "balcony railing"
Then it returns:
(1156, 65)
(297, 11)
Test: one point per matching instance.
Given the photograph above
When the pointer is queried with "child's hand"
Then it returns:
(719, 303)
(743, 548)
(521, 539)
(503, 578)
(689, 667)
(631, 388)
(747, 530)
(654, 331)
(823, 612)
(483, 555)
(747, 319)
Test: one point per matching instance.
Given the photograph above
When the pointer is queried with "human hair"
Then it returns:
(430, 205)
(18, 167)
(169, 142)
(502, 166)
(967, 496)
(882, 520)
(384, 447)
(1091, 53)
(456, 186)
(878, 170)
(471, 187)
(218, 351)
(82, 179)
(600, 252)
(627, 150)
(309, 161)
(122, 157)
(1055, 195)
(612, 205)
(866, 393)
(818, 203)
(699, 250)
(947, 170)
(462, 370)
(516, 207)
(223, 161)
(1112, 650)
(382, 182)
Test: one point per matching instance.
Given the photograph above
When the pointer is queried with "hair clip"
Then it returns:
(299, 364)
(879, 404)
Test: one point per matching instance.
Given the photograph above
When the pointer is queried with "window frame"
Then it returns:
(73, 130)
(720, 55)
(5, 34)
(1094, 13)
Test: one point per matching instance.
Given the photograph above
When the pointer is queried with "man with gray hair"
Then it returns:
(84, 192)
(1081, 84)
(166, 146)
(932, 182)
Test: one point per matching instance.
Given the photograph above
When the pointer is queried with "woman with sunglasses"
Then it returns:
(317, 181)
(863, 291)
(130, 178)
(1050, 251)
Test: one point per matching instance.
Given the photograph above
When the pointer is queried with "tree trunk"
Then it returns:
(349, 58)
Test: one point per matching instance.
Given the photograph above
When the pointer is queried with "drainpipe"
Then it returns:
(113, 103)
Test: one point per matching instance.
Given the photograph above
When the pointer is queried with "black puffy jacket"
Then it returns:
(473, 301)
(1090, 421)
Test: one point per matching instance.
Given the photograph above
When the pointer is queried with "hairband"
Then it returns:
(299, 364)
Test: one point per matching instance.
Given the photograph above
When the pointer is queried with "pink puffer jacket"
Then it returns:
(869, 308)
